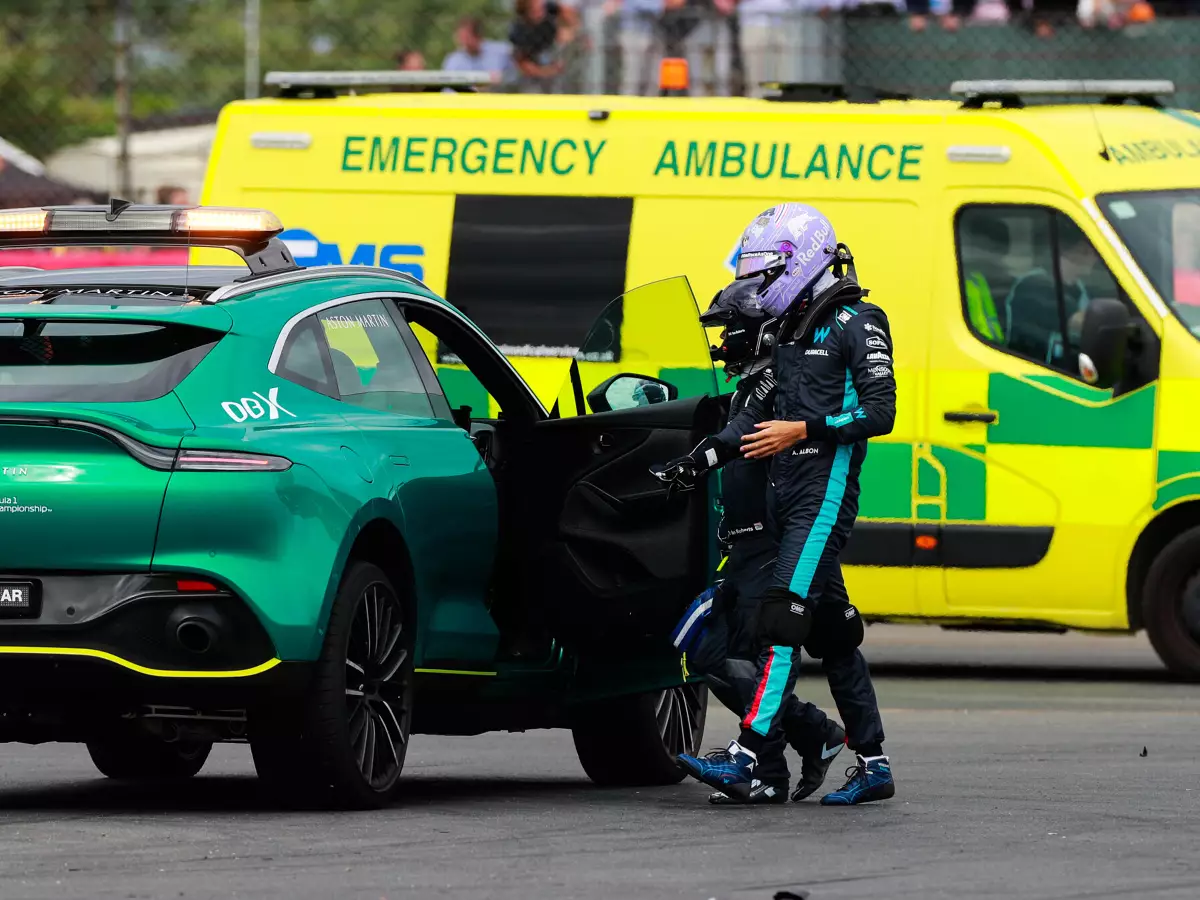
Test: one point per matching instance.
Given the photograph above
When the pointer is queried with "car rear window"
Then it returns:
(96, 362)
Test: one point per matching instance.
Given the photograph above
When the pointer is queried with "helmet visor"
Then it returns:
(756, 262)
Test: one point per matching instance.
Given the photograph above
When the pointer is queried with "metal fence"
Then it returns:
(71, 70)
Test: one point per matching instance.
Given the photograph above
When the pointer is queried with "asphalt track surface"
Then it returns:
(1018, 761)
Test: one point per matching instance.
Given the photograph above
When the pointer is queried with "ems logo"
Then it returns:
(14, 596)
(820, 334)
(731, 262)
(877, 343)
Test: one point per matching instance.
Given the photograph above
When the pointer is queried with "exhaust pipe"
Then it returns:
(196, 628)
(196, 635)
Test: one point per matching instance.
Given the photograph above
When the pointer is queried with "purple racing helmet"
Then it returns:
(790, 246)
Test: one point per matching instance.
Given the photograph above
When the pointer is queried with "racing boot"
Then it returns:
(730, 771)
(762, 793)
(869, 779)
(815, 764)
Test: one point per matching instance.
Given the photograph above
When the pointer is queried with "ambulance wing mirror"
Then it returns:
(1103, 342)
(628, 391)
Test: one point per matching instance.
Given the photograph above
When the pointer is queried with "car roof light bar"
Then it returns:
(326, 84)
(251, 233)
(1009, 93)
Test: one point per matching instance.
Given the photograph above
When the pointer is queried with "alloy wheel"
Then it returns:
(680, 714)
(378, 687)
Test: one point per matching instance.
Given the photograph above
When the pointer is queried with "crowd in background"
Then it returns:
(545, 36)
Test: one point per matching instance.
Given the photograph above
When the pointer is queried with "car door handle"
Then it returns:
(962, 416)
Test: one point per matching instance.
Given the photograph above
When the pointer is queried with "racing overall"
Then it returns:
(726, 657)
(834, 366)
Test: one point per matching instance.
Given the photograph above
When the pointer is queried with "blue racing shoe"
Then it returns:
(870, 779)
(729, 770)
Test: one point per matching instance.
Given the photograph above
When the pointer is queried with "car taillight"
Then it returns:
(185, 585)
(225, 461)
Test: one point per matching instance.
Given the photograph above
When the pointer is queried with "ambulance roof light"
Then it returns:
(326, 84)
(251, 233)
(1009, 94)
(673, 76)
(827, 92)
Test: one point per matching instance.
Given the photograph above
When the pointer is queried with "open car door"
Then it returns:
(609, 552)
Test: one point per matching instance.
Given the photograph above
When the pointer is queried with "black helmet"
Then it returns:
(749, 332)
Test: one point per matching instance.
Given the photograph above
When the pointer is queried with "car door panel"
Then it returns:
(612, 550)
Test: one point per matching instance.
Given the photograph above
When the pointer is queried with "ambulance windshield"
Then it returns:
(1162, 231)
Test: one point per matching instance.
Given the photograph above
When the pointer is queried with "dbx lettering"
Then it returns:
(253, 408)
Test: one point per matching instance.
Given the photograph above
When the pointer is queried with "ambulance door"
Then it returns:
(1029, 476)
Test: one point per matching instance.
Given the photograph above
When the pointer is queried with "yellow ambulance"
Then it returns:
(1038, 257)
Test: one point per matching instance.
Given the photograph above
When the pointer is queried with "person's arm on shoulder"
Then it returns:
(871, 408)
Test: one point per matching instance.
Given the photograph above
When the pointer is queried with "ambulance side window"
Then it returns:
(1027, 275)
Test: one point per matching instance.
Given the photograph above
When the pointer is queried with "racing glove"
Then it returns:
(679, 473)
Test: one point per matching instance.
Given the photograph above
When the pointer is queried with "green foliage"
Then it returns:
(57, 56)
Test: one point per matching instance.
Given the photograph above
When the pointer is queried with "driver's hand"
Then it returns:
(680, 473)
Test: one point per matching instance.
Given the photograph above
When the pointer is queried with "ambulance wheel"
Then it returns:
(1171, 605)
(633, 741)
(145, 757)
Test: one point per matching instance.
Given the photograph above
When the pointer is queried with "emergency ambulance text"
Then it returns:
(474, 156)
(734, 159)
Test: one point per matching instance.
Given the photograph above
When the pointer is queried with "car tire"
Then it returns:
(1171, 605)
(345, 744)
(145, 757)
(633, 741)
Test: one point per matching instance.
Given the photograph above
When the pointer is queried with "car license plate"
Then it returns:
(16, 599)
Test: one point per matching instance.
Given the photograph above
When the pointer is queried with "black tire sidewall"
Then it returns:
(1162, 593)
(631, 720)
(135, 756)
(327, 724)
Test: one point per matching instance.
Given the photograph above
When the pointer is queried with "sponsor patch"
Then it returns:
(877, 343)
(843, 317)
(883, 357)
(879, 372)
(710, 456)
(875, 328)
(817, 352)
